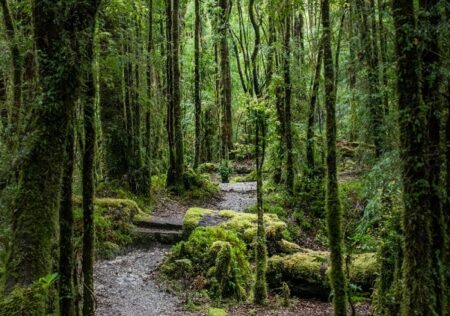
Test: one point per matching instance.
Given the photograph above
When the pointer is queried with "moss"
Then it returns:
(207, 167)
(192, 218)
(245, 225)
(246, 178)
(213, 311)
(113, 223)
(307, 273)
(217, 254)
(23, 301)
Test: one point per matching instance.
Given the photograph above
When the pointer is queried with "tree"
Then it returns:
(37, 199)
(417, 265)
(287, 98)
(197, 88)
(176, 166)
(333, 205)
(225, 77)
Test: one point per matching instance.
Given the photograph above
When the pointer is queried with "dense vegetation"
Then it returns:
(338, 110)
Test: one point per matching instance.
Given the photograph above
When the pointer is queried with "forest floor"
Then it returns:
(128, 285)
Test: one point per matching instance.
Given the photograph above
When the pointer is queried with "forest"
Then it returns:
(224, 157)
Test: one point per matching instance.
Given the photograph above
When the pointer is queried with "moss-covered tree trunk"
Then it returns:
(225, 78)
(66, 221)
(333, 205)
(312, 112)
(88, 177)
(197, 86)
(175, 132)
(288, 98)
(35, 218)
(418, 297)
(431, 86)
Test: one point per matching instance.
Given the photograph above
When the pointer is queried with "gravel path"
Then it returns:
(237, 196)
(126, 286)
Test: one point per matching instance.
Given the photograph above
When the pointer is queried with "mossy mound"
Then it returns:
(243, 224)
(113, 223)
(215, 255)
(306, 272)
(22, 301)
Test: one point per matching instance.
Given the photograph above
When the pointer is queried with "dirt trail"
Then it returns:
(126, 285)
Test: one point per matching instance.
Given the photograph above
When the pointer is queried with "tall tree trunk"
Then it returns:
(88, 177)
(287, 99)
(38, 197)
(66, 254)
(178, 131)
(197, 92)
(334, 211)
(312, 112)
(225, 78)
(431, 95)
(417, 263)
(370, 54)
(254, 58)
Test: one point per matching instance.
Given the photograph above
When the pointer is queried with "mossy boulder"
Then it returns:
(306, 272)
(243, 224)
(214, 254)
(113, 223)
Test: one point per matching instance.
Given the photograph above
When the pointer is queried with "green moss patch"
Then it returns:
(113, 223)
(243, 224)
(306, 273)
(216, 256)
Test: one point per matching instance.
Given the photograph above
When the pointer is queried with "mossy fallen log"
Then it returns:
(306, 273)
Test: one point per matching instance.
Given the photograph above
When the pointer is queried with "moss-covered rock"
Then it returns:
(113, 223)
(244, 224)
(216, 254)
(306, 273)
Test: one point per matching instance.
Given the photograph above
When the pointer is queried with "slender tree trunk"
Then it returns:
(225, 78)
(312, 112)
(88, 174)
(178, 131)
(417, 262)
(66, 255)
(370, 54)
(251, 13)
(197, 83)
(334, 211)
(287, 100)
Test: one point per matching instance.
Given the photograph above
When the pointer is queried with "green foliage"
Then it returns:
(217, 254)
(27, 301)
(198, 186)
(225, 170)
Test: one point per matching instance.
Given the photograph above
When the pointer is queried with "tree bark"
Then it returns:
(66, 221)
(417, 263)
(197, 88)
(333, 205)
(287, 100)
